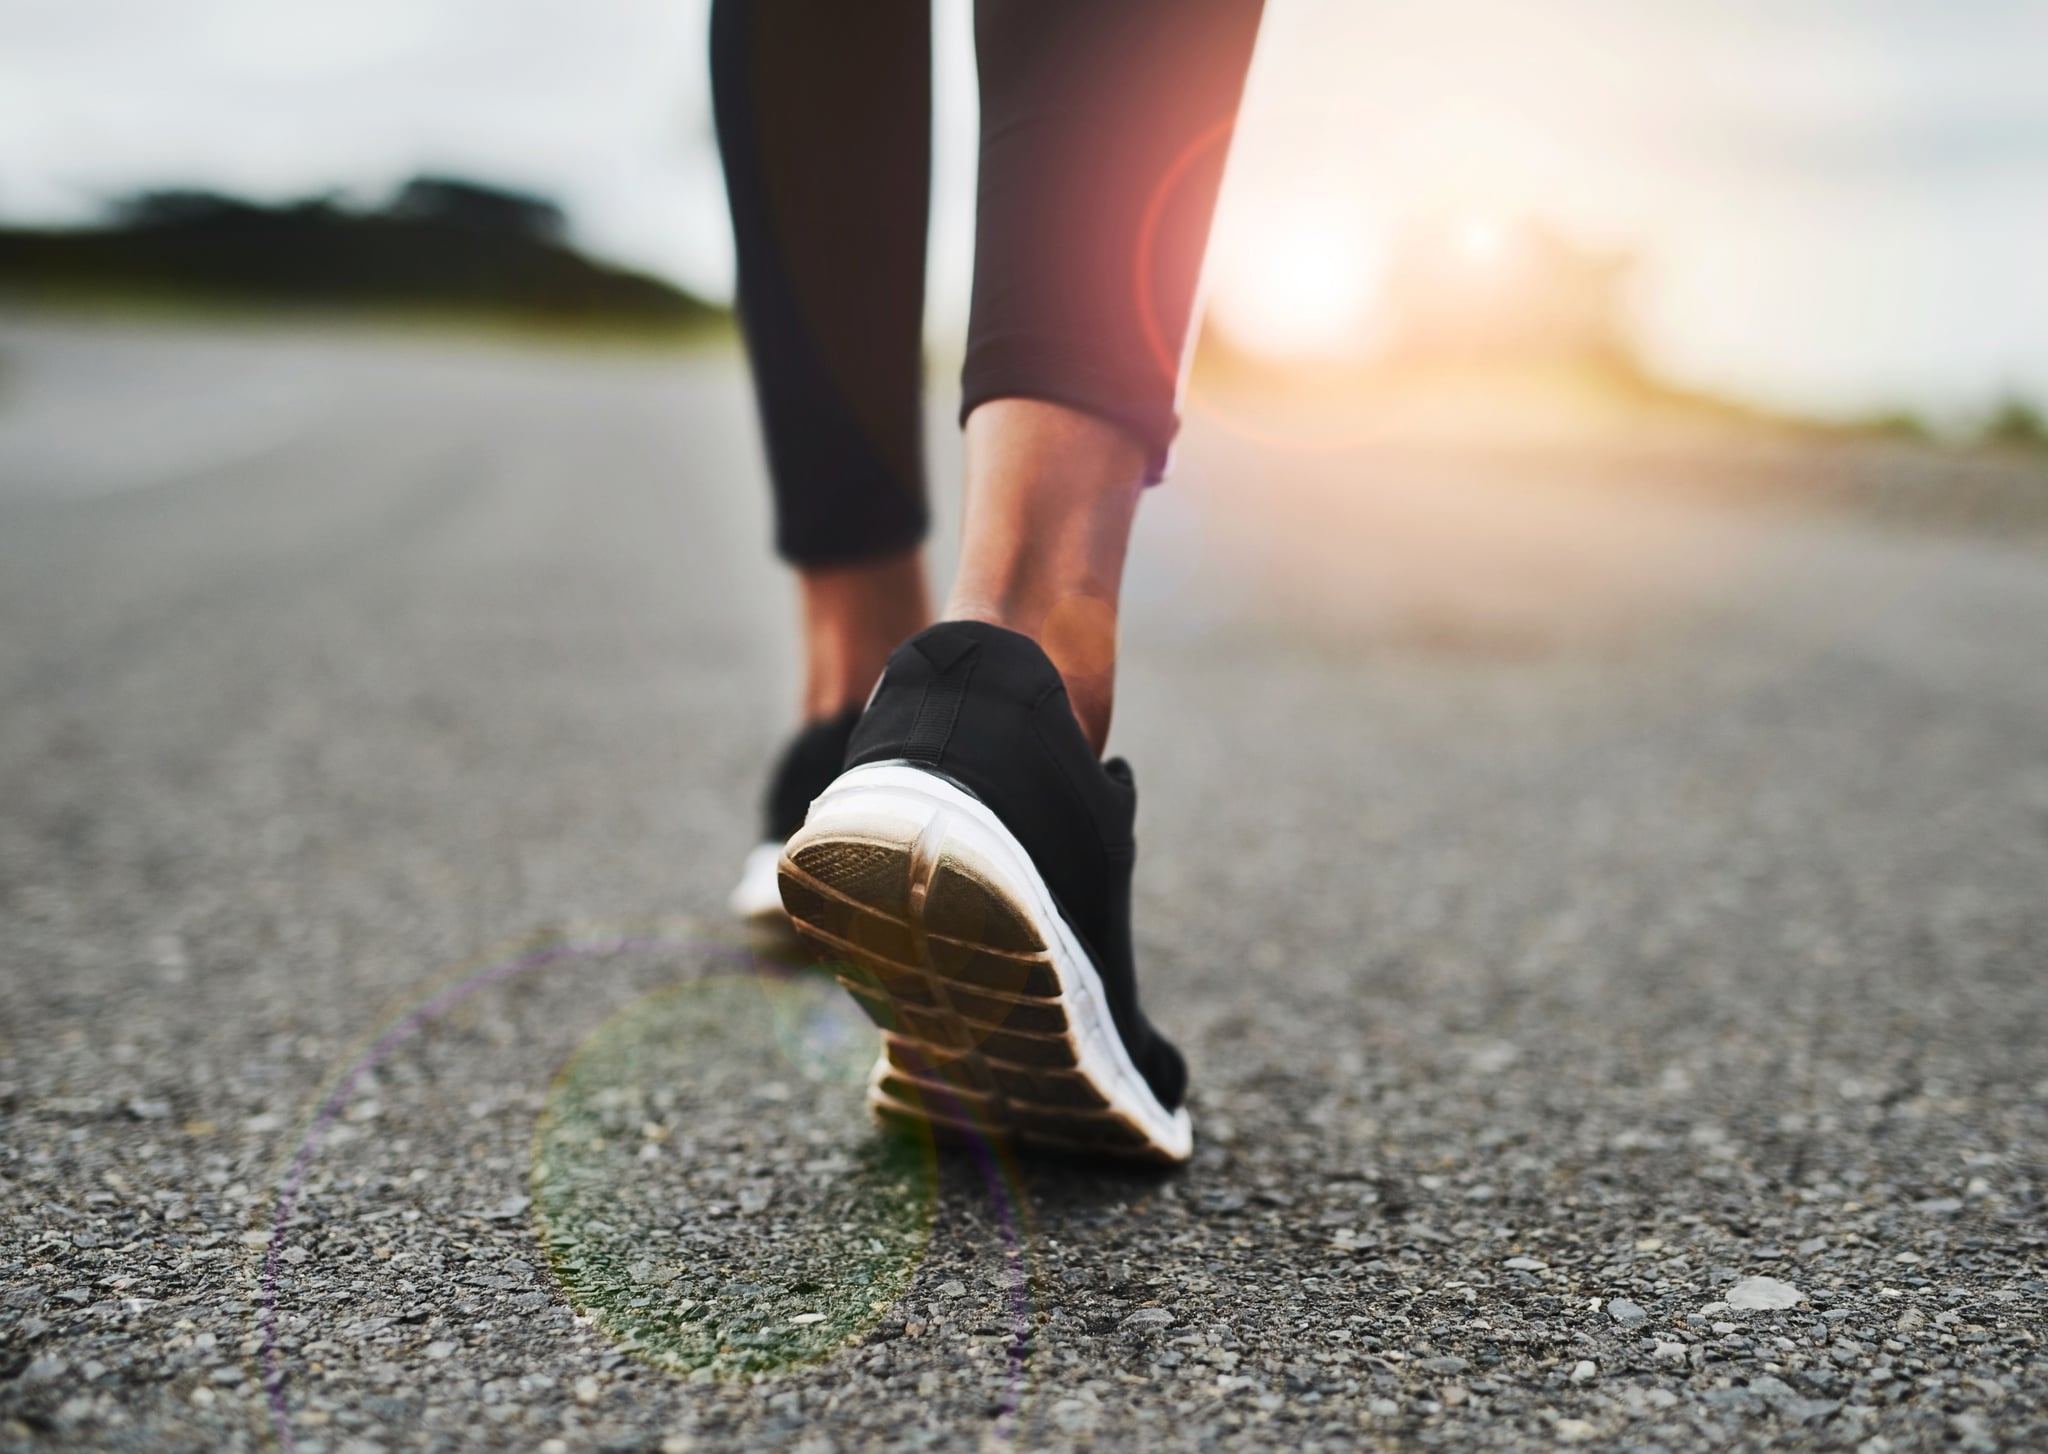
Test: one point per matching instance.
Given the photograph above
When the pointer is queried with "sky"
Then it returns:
(1834, 204)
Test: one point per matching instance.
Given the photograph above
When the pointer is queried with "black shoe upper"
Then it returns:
(985, 708)
(808, 764)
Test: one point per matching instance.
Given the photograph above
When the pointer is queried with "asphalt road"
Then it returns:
(1585, 884)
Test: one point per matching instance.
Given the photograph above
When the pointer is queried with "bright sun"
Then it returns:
(1479, 239)
(1295, 279)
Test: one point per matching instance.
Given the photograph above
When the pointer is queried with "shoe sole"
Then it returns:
(994, 1021)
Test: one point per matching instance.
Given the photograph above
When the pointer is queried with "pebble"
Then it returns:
(1526, 1264)
(1584, 1371)
(1149, 1318)
(1626, 1313)
(1763, 1294)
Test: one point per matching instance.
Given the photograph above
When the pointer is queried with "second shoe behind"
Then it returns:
(808, 765)
(969, 878)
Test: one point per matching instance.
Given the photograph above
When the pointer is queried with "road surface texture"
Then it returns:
(1603, 893)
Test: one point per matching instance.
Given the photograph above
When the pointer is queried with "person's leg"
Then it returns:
(1051, 493)
(853, 616)
(969, 874)
(1103, 137)
(824, 118)
(824, 121)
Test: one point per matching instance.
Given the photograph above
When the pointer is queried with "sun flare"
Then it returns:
(1478, 239)
(1297, 278)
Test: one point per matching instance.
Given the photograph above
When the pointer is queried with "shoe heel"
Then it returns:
(904, 892)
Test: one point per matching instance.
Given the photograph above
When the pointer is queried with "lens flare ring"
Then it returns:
(733, 966)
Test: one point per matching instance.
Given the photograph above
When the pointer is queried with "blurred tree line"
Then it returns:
(438, 244)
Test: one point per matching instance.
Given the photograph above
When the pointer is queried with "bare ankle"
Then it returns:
(853, 617)
(1051, 492)
(1076, 631)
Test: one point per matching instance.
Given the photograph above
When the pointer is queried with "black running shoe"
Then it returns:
(969, 878)
(808, 765)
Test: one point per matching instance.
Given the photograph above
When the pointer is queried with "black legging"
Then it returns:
(1104, 125)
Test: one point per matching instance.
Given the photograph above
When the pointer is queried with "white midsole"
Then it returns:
(757, 896)
(898, 803)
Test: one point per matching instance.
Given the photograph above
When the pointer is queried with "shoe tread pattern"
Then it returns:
(976, 1039)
